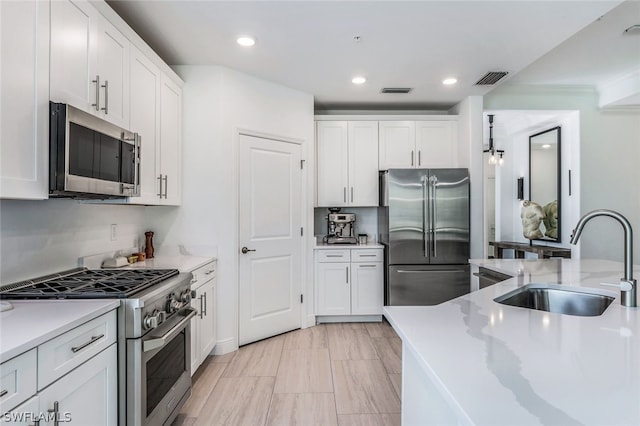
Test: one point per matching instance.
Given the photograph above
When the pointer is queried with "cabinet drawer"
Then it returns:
(367, 255)
(203, 274)
(62, 354)
(17, 380)
(333, 255)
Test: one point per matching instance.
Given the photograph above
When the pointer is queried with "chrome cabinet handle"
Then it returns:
(368, 255)
(160, 179)
(54, 410)
(84, 345)
(367, 266)
(201, 307)
(106, 97)
(344, 193)
(3, 392)
(352, 194)
(166, 177)
(412, 158)
(209, 272)
(245, 250)
(205, 303)
(347, 271)
(97, 82)
(419, 157)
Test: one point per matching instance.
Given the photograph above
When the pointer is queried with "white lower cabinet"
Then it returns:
(349, 282)
(203, 326)
(70, 379)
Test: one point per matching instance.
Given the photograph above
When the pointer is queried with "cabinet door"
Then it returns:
(333, 281)
(207, 323)
(397, 144)
(367, 288)
(437, 144)
(332, 163)
(24, 106)
(24, 414)
(363, 163)
(113, 69)
(87, 395)
(145, 119)
(170, 142)
(74, 29)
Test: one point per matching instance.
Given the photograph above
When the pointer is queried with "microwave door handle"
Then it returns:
(136, 167)
(151, 344)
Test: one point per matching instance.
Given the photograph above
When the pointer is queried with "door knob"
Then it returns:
(246, 250)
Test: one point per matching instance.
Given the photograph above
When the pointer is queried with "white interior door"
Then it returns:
(270, 275)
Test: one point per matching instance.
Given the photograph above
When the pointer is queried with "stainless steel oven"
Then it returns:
(157, 371)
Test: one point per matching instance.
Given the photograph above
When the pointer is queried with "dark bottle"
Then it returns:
(148, 250)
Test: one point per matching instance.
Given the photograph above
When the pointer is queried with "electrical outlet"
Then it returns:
(114, 235)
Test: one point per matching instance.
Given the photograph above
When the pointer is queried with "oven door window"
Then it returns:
(164, 370)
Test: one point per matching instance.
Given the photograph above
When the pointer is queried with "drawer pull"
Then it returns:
(3, 393)
(209, 272)
(54, 411)
(84, 345)
(367, 266)
(368, 255)
(335, 255)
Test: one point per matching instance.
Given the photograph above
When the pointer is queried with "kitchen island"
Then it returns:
(474, 361)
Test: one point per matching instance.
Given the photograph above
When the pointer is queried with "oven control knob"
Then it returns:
(173, 305)
(185, 297)
(153, 320)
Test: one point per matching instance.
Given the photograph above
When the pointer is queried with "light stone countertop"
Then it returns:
(505, 365)
(33, 322)
(323, 246)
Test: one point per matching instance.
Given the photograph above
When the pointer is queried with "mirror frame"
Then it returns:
(558, 178)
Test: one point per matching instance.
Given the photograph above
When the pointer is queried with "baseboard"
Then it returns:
(225, 346)
(348, 318)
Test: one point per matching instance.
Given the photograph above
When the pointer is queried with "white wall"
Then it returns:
(42, 237)
(609, 153)
(218, 102)
(469, 113)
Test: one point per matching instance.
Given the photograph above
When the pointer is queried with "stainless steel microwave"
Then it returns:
(90, 157)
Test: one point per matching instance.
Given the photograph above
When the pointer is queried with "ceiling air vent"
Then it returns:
(395, 90)
(492, 77)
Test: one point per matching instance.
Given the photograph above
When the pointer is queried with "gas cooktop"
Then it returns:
(82, 283)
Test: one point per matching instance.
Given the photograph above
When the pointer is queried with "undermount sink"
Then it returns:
(558, 299)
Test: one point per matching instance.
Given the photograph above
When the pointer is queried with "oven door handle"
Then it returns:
(151, 344)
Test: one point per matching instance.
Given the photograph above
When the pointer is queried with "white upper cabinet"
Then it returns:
(24, 109)
(146, 80)
(347, 163)
(169, 157)
(333, 164)
(418, 144)
(397, 148)
(113, 69)
(89, 61)
(363, 163)
(437, 144)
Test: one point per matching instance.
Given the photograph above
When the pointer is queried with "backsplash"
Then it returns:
(366, 221)
(41, 237)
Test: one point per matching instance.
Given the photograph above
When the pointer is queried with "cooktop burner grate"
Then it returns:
(87, 284)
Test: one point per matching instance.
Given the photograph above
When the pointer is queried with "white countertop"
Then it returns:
(324, 246)
(180, 262)
(33, 322)
(504, 365)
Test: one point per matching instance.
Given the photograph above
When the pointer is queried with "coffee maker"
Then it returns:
(340, 227)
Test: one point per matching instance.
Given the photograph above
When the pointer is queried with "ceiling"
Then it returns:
(310, 45)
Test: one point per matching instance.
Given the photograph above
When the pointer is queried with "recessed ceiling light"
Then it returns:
(246, 41)
(358, 80)
(449, 81)
(546, 146)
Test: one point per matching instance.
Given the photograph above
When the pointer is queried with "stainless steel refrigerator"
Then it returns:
(424, 226)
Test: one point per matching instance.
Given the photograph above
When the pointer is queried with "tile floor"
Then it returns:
(330, 374)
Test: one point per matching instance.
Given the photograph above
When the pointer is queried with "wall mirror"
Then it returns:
(544, 180)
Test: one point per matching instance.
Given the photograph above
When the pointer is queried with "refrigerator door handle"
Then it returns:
(426, 218)
(434, 216)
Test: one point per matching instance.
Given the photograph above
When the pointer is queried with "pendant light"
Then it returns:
(493, 159)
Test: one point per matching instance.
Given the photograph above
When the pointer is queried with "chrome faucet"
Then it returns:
(628, 286)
